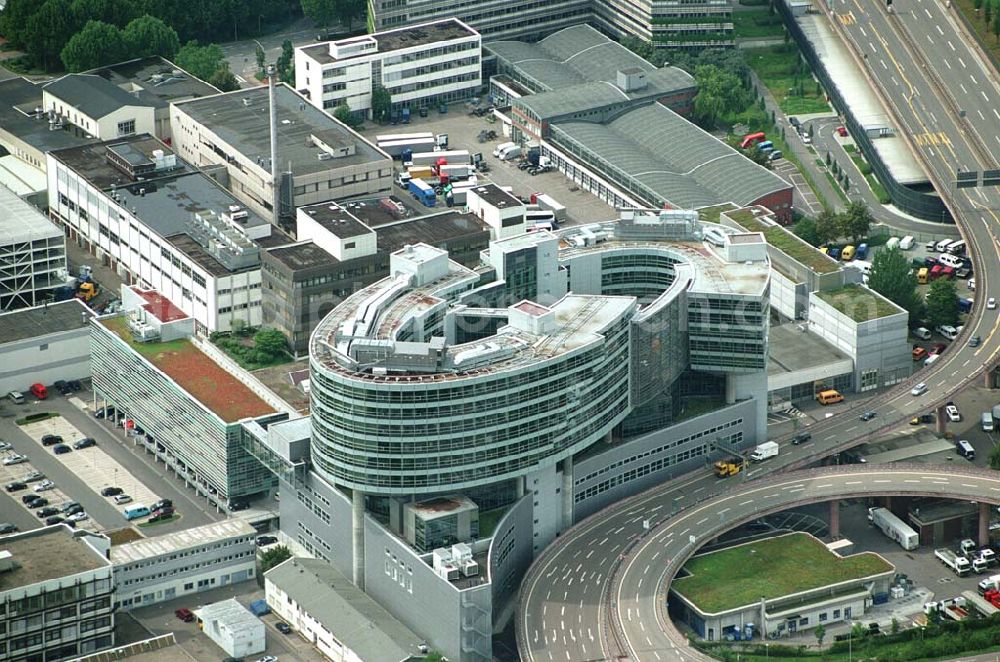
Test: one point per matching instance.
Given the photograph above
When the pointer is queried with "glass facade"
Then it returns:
(728, 332)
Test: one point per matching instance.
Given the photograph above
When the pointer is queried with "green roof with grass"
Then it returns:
(859, 303)
(772, 568)
(711, 214)
(786, 242)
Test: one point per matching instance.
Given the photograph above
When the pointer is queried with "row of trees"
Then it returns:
(325, 12)
(990, 11)
(42, 29)
(100, 43)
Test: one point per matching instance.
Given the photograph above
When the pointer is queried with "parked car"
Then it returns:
(951, 410)
(72, 510)
(39, 391)
(44, 485)
(162, 503)
(163, 515)
(106, 412)
(47, 511)
(16, 397)
(61, 449)
(7, 527)
(266, 540)
(32, 476)
(283, 627)
(184, 614)
(122, 498)
(86, 442)
(62, 386)
(238, 505)
(842, 131)
(923, 418)
(939, 348)
(30, 499)
(919, 353)
(65, 507)
(78, 516)
(15, 486)
(5, 446)
(16, 458)
(74, 385)
(991, 303)
(51, 440)
(166, 511)
(40, 502)
(55, 519)
(111, 491)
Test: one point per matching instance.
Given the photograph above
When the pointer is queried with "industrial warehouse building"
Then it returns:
(44, 344)
(419, 66)
(613, 123)
(784, 584)
(32, 254)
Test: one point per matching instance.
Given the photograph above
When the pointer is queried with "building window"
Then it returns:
(869, 380)
(126, 128)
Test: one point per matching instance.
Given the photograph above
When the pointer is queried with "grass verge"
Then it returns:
(783, 71)
(34, 418)
(757, 24)
(836, 186)
(158, 522)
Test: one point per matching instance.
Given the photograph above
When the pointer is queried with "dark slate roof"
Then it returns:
(93, 96)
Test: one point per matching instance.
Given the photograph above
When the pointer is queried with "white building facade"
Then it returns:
(233, 628)
(423, 65)
(98, 107)
(146, 239)
(158, 569)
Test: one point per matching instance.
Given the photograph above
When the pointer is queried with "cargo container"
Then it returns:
(547, 202)
(423, 192)
(451, 157)
(894, 528)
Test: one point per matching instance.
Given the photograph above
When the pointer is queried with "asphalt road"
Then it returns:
(612, 559)
(569, 583)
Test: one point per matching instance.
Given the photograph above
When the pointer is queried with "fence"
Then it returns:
(915, 203)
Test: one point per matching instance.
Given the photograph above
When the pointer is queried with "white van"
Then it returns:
(949, 260)
(942, 245)
(930, 360)
(906, 243)
(986, 421)
(892, 243)
(922, 332)
(947, 331)
(509, 152)
(501, 147)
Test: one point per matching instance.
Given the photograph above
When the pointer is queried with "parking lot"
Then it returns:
(81, 474)
(462, 129)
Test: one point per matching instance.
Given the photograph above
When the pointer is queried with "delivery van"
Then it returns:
(829, 397)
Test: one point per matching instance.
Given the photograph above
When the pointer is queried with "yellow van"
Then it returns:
(824, 250)
(847, 254)
(922, 276)
(829, 397)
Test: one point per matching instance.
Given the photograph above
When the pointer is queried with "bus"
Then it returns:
(750, 139)
(957, 247)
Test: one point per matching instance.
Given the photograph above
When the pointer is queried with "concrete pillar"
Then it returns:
(984, 524)
(519, 486)
(835, 519)
(730, 390)
(358, 537)
(942, 421)
(988, 378)
(567, 493)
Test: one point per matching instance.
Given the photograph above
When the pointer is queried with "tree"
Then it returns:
(273, 557)
(47, 32)
(827, 226)
(320, 12)
(200, 61)
(892, 277)
(96, 45)
(270, 343)
(348, 10)
(719, 94)
(995, 457)
(14, 20)
(987, 11)
(995, 25)
(435, 656)
(640, 47)
(820, 632)
(828, 159)
(343, 113)
(977, 4)
(285, 63)
(942, 303)
(112, 12)
(847, 184)
(381, 104)
(895, 626)
(806, 230)
(224, 80)
(146, 36)
(857, 220)
(261, 58)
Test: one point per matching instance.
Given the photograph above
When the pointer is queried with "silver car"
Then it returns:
(919, 389)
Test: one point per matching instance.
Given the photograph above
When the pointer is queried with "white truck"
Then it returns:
(959, 564)
(547, 202)
(979, 565)
(906, 243)
(894, 528)
(991, 583)
(764, 451)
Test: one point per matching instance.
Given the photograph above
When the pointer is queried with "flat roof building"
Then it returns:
(57, 588)
(181, 395)
(193, 560)
(32, 254)
(44, 344)
(419, 66)
(342, 621)
(320, 158)
(164, 225)
(790, 582)
(233, 627)
(305, 280)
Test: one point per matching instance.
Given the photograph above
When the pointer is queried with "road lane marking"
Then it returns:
(940, 31)
(952, 45)
(854, 482)
(961, 62)
(984, 95)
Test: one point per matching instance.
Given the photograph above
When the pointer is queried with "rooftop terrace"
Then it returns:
(197, 373)
(859, 303)
(771, 568)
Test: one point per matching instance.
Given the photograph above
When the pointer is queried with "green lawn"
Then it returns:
(858, 303)
(711, 214)
(771, 568)
(757, 24)
(782, 70)
(787, 243)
